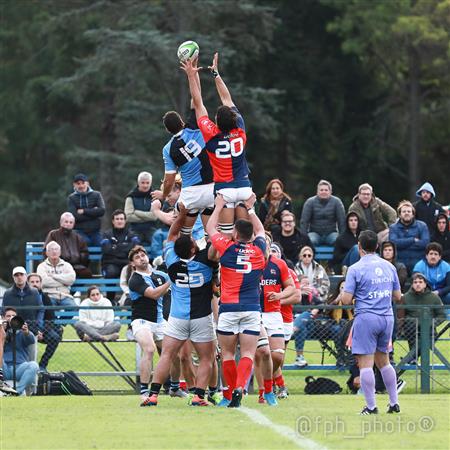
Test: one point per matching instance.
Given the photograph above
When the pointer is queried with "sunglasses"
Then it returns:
(307, 255)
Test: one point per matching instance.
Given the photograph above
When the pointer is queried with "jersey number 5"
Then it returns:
(227, 149)
(243, 261)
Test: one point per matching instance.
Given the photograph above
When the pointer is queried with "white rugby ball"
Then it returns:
(188, 50)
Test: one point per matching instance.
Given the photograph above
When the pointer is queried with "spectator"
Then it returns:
(97, 324)
(26, 370)
(303, 321)
(49, 332)
(436, 271)
(290, 237)
(323, 216)
(346, 246)
(88, 208)
(21, 296)
(138, 209)
(374, 214)
(419, 295)
(57, 276)
(5, 388)
(316, 274)
(116, 244)
(389, 253)
(427, 209)
(441, 235)
(409, 235)
(74, 249)
(274, 201)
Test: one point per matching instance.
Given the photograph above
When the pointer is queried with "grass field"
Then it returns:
(309, 422)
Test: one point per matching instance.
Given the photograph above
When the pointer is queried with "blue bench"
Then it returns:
(70, 317)
(323, 253)
(104, 284)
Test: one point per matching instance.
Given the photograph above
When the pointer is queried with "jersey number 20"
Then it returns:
(227, 149)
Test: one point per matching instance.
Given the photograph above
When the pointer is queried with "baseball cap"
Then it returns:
(19, 269)
(80, 177)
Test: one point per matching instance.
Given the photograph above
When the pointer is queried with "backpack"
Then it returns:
(321, 386)
(62, 383)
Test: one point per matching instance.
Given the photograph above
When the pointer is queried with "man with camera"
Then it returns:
(19, 336)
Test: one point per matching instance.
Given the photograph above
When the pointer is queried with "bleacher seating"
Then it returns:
(323, 253)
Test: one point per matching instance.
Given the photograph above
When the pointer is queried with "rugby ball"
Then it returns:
(188, 50)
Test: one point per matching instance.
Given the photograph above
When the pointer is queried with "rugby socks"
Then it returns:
(212, 390)
(155, 388)
(279, 381)
(200, 393)
(174, 385)
(267, 386)
(368, 386)
(229, 374)
(244, 371)
(390, 381)
(261, 392)
(144, 388)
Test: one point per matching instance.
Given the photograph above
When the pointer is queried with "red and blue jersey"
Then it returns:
(226, 152)
(287, 311)
(241, 268)
(275, 274)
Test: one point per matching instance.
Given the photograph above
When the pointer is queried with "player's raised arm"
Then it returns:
(221, 87)
(258, 227)
(191, 69)
(175, 228)
(211, 226)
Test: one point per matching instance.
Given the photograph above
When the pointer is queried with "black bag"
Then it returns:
(321, 386)
(63, 383)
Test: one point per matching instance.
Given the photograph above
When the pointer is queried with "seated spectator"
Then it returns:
(427, 208)
(48, 332)
(345, 251)
(88, 208)
(409, 235)
(389, 253)
(374, 214)
(74, 249)
(323, 216)
(316, 274)
(138, 209)
(5, 388)
(97, 324)
(274, 201)
(116, 244)
(441, 235)
(290, 237)
(57, 276)
(22, 295)
(418, 295)
(26, 370)
(436, 271)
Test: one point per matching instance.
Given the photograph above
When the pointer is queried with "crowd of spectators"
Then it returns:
(414, 237)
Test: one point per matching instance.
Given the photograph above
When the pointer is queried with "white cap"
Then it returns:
(19, 269)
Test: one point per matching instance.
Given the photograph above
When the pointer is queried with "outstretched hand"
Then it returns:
(250, 202)
(182, 209)
(190, 66)
(214, 67)
(220, 201)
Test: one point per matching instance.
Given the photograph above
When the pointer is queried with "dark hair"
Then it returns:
(91, 288)
(118, 212)
(433, 246)
(244, 229)
(226, 118)
(173, 122)
(368, 240)
(337, 290)
(33, 274)
(135, 250)
(10, 308)
(183, 246)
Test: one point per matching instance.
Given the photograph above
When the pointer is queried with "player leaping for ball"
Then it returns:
(225, 143)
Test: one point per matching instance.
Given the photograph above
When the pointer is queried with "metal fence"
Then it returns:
(421, 351)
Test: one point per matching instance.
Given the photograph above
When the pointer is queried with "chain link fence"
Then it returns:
(110, 364)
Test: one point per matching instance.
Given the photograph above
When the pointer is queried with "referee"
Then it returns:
(373, 283)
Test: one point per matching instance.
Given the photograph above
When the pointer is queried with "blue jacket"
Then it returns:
(403, 236)
(22, 344)
(437, 276)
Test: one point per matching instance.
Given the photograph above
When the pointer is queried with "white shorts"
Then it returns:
(247, 322)
(197, 330)
(197, 198)
(288, 330)
(156, 328)
(233, 196)
(273, 323)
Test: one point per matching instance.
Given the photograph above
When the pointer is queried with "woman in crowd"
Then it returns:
(274, 201)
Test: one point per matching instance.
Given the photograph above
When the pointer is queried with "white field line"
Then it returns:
(282, 430)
